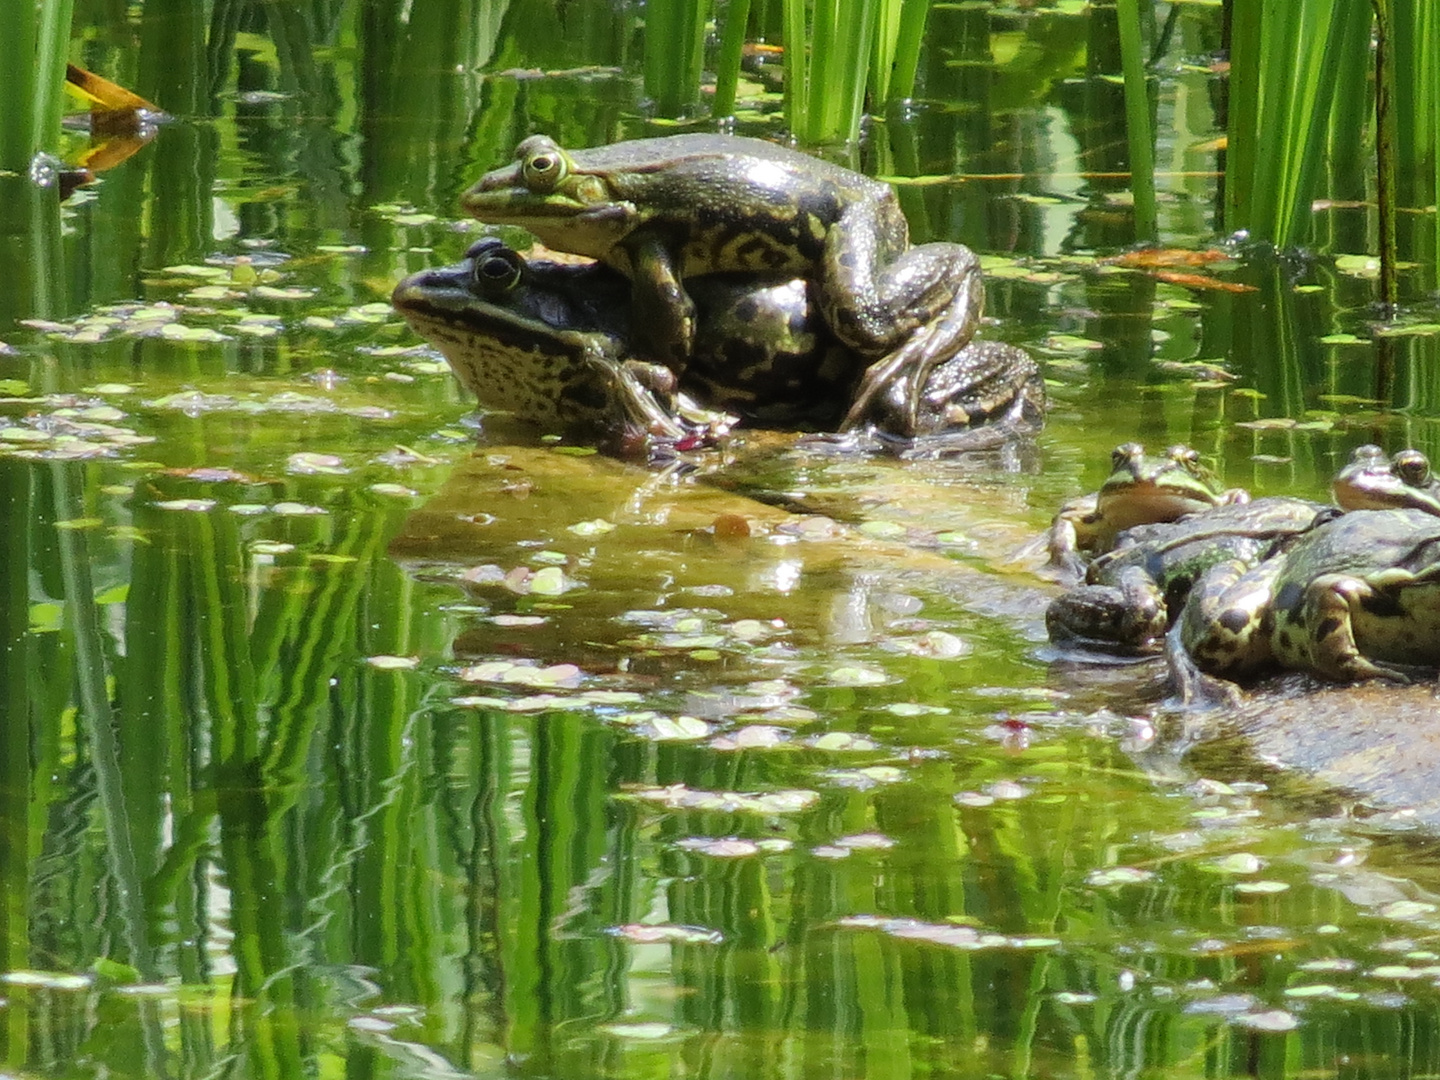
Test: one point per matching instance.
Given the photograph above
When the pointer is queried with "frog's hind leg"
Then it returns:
(1334, 653)
(913, 307)
(941, 317)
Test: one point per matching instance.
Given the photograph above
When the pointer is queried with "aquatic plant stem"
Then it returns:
(1242, 105)
(826, 69)
(53, 47)
(911, 34)
(675, 36)
(19, 85)
(727, 64)
(1385, 153)
(1138, 133)
(797, 68)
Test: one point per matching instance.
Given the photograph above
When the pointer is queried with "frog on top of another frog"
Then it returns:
(1141, 489)
(1207, 567)
(1356, 598)
(663, 211)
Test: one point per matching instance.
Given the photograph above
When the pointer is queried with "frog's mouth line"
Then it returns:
(516, 206)
(497, 328)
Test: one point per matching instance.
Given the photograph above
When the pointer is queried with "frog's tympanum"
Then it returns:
(1139, 490)
(1371, 481)
(1134, 591)
(554, 343)
(663, 211)
(1356, 598)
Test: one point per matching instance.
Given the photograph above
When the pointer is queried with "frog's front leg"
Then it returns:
(1225, 624)
(1128, 616)
(661, 310)
(1064, 541)
(912, 307)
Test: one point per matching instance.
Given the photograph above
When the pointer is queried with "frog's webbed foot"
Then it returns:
(658, 379)
(986, 382)
(941, 322)
(1128, 618)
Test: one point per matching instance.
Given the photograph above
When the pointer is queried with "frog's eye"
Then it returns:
(498, 271)
(1412, 466)
(544, 170)
(1125, 452)
(483, 247)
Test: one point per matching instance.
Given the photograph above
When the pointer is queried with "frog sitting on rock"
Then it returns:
(668, 212)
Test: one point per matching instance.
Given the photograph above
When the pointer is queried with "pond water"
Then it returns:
(347, 735)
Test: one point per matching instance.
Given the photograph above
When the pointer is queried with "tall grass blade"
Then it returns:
(1385, 150)
(674, 44)
(53, 47)
(1284, 60)
(797, 68)
(909, 37)
(1138, 133)
(1242, 107)
(727, 64)
(882, 57)
(1345, 174)
(34, 44)
(826, 68)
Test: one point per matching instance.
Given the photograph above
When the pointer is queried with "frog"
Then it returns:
(549, 344)
(664, 210)
(1226, 628)
(1356, 598)
(1141, 489)
(1371, 481)
(554, 343)
(1134, 592)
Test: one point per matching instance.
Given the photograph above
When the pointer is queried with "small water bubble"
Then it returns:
(45, 170)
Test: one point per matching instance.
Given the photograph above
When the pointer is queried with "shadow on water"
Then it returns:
(334, 743)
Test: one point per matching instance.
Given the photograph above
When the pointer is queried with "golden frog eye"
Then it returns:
(544, 170)
(1411, 466)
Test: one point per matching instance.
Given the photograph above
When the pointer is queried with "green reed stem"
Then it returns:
(826, 69)
(34, 45)
(674, 39)
(1286, 59)
(1242, 109)
(882, 59)
(1415, 46)
(727, 64)
(1138, 132)
(797, 68)
(910, 36)
(19, 80)
(1385, 148)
